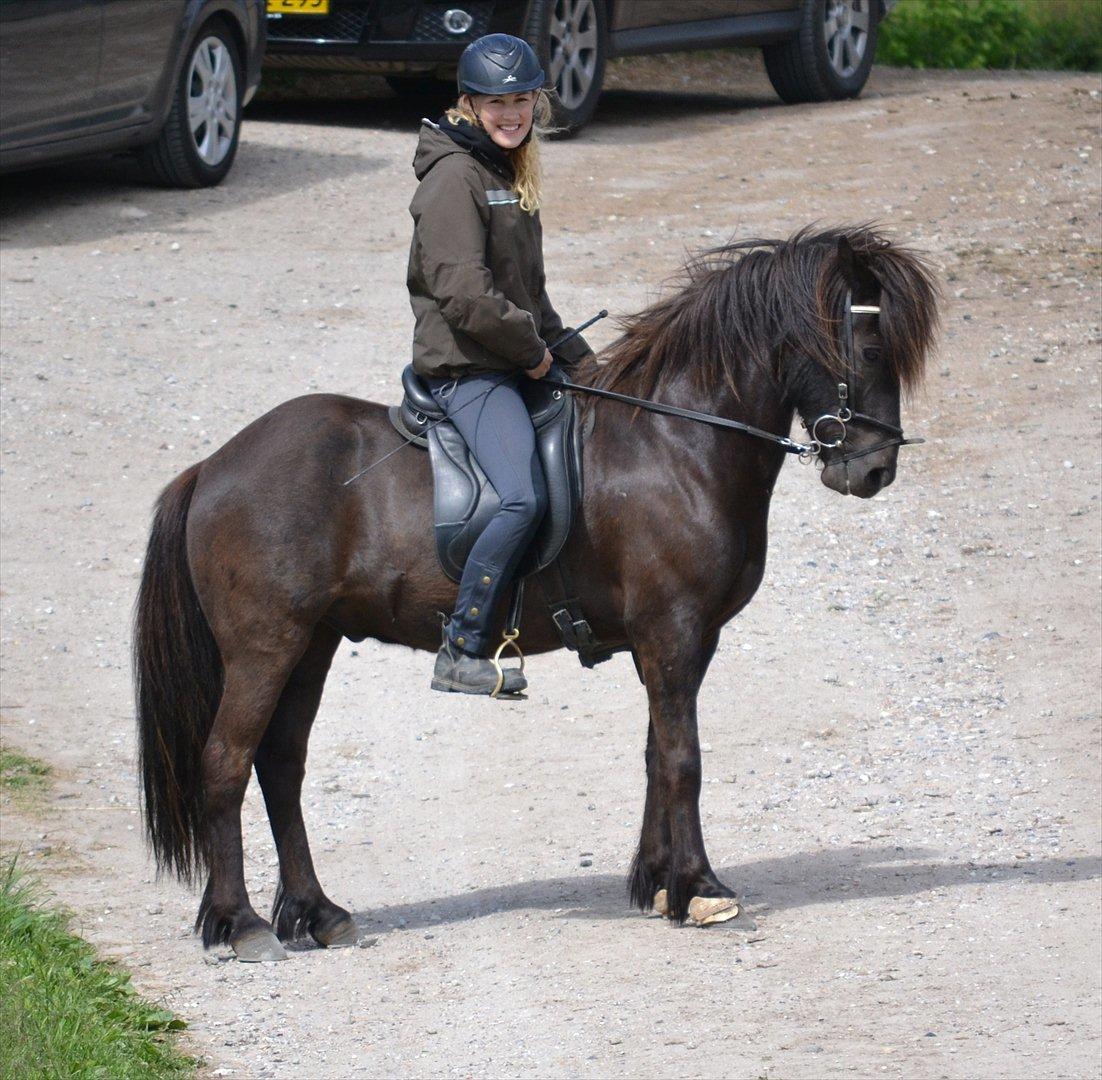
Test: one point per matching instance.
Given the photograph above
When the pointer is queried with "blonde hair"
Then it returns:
(527, 176)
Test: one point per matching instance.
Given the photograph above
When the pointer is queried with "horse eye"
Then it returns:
(872, 354)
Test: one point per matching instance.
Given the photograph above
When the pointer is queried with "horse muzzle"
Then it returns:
(861, 473)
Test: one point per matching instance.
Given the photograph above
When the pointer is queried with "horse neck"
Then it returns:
(752, 396)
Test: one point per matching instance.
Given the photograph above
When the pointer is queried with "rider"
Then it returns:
(484, 321)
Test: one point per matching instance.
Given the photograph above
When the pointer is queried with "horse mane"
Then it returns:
(770, 302)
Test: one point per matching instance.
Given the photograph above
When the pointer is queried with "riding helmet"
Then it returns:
(499, 64)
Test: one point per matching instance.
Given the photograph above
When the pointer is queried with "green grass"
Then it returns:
(1049, 34)
(63, 1013)
(20, 775)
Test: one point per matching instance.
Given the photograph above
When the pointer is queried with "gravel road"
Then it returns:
(901, 732)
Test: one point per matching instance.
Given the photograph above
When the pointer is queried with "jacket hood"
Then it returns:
(432, 146)
(440, 138)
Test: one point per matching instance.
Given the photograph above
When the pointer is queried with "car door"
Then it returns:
(139, 45)
(49, 64)
(762, 7)
(636, 14)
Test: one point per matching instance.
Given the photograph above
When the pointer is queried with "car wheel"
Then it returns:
(831, 57)
(197, 145)
(571, 39)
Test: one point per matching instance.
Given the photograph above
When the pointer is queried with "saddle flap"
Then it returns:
(545, 401)
(464, 501)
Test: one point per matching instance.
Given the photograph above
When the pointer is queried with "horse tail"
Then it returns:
(178, 684)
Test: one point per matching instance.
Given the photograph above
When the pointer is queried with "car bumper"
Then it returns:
(385, 35)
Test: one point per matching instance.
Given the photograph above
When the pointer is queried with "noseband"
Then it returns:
(847, 394)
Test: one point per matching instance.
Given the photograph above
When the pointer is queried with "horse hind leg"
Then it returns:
(254, 681)
(301, 906)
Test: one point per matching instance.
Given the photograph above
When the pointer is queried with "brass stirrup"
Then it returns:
(509, 637)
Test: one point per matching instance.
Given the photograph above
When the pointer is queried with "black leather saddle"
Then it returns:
(464, 501)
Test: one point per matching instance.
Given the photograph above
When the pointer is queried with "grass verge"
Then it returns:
(65, 1013)
(20, 776)
(62, 1011)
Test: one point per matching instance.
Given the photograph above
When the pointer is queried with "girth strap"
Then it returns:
(566, 613)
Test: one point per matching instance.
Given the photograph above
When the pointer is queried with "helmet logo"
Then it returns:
(509, 78)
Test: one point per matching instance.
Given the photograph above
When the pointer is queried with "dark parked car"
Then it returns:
(167, 78)
(815, 50)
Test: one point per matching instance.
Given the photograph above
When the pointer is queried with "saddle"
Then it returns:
(464, 501)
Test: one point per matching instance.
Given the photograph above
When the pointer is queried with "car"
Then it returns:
(815, 50)
(166, 79)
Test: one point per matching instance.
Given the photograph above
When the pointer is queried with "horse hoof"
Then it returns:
(708, 910)
(341, 935)
(257, 947)
(713, 910)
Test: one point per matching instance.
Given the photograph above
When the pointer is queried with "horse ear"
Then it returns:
(847, 262)
(857, 276)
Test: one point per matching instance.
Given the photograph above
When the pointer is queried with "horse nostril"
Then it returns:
(878, 479)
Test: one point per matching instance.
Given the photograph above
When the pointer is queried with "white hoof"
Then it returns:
(710, 910)
(703, 910)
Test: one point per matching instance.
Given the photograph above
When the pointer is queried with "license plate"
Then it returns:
(298, 7)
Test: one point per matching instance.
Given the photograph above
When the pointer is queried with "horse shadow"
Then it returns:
(786, 883)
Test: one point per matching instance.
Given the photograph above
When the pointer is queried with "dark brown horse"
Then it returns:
(261, 559)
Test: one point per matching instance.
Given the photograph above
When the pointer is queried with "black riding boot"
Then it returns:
(458, 672)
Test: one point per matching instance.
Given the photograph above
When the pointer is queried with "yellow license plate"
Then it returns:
(298, 7)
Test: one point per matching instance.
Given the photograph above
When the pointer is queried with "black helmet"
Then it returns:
(499, 64)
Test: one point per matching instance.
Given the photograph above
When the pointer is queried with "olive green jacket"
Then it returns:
(475, 278)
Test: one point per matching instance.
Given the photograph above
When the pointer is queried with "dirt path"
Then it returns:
(902, 772)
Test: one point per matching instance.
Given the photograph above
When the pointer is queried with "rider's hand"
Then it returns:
(542, 368)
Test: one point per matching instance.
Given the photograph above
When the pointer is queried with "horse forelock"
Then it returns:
(770, 303)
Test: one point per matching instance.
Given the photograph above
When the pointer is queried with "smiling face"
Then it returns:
(507, 118)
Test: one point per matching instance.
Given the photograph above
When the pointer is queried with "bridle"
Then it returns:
(808, 450)
(847, 396)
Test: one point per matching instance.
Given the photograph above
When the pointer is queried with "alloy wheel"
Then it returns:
(212, 100)
(573, 49)
(846, 31)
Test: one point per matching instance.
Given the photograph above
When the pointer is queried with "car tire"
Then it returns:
(571, 40)
(198, 143)
(831, 57)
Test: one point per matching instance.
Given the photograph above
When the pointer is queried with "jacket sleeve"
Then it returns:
(451, 230)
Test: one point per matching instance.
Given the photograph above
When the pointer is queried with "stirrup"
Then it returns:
(508, 638)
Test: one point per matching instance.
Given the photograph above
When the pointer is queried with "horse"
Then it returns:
(261, 559)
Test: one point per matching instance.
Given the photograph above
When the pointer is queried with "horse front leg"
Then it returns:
(652, 857)
(671, 871)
